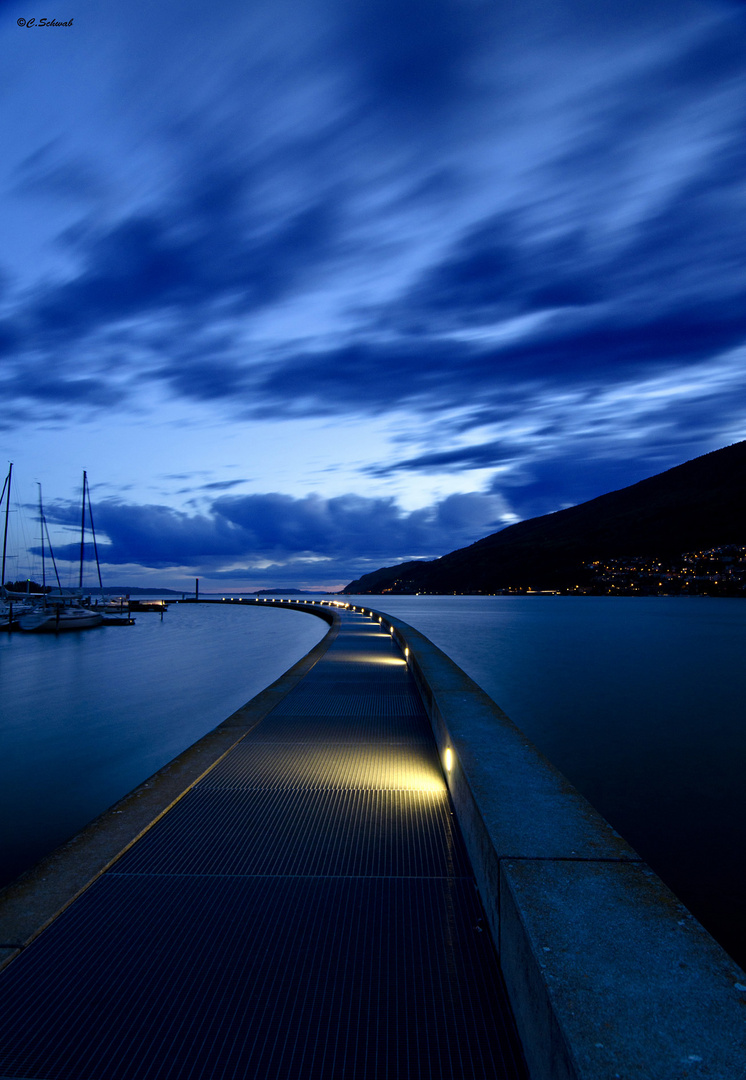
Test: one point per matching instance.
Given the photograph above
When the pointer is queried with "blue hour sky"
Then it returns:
(312, 288)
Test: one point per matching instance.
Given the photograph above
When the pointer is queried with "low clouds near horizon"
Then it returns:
(240, 537)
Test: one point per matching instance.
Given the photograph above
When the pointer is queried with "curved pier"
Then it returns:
(292, 897)
(304, 909)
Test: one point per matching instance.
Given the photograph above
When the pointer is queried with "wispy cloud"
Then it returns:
(508, 234)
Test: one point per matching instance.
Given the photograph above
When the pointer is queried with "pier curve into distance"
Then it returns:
(607, 973)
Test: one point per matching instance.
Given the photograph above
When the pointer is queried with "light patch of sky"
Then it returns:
(330, 455)
(507, 330)
(139, 454)
(586, 421)
(566, 99)
(557, 423)
(93, 106)
(261, 108)
(442, 484)
(72, 115)
(715, 377)
(663, 161)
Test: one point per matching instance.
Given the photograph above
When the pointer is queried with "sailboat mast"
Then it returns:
(41, 531)
(82, 535)
(95, 545)
(7, 513)
(51, 554)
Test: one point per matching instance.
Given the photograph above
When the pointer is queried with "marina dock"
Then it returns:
(306, 910)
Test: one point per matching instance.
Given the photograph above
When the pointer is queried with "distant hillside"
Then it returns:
(133, 590)
(695, 506)
(280, 592)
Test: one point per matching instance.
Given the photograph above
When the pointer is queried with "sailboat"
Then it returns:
(60, 613)
(64, 609)
(12, 604)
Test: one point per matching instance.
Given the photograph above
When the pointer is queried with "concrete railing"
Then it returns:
(609, 975)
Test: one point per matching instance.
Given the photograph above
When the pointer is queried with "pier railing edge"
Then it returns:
(608, 973)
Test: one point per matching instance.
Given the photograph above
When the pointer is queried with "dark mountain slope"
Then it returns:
(700, 504)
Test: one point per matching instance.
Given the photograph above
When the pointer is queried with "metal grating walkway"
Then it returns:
(306, 912)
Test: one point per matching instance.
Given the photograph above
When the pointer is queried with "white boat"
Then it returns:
(53, 616)
(63, 609)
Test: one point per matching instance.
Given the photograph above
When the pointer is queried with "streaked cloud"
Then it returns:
(505, 238)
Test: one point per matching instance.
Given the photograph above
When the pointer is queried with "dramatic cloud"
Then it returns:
(506, 238)
(293, 536)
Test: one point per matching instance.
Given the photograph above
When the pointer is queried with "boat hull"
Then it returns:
(55, 622)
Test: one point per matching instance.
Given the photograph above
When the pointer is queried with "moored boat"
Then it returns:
(56, 615)
(62, 609)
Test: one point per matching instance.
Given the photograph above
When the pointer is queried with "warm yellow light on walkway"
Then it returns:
(449, 759)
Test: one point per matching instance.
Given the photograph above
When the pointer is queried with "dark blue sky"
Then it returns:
(310, 288)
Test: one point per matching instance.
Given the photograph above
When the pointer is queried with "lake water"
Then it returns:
(639, 701)
(88, 716)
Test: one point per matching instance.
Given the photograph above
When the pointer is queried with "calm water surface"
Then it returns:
(88, 716)
(641, 702)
